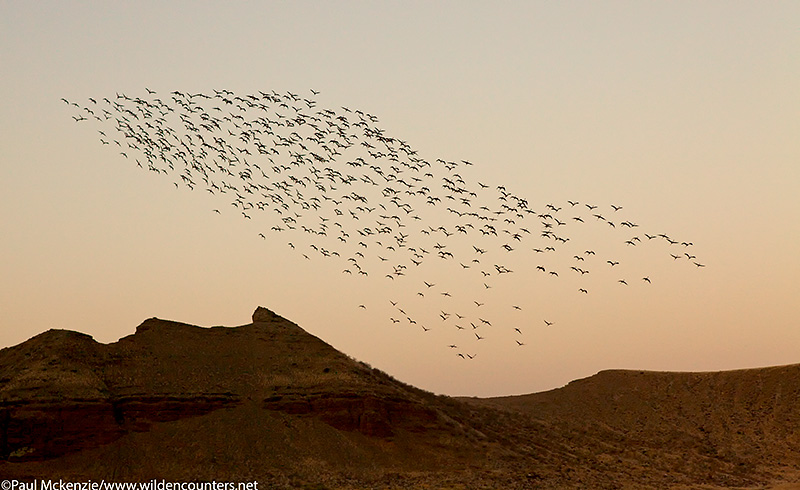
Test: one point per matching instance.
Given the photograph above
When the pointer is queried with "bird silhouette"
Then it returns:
(343, 189)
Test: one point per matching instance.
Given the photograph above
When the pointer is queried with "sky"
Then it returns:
(685, 114)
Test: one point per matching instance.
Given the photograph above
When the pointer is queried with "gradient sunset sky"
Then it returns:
(687, 114)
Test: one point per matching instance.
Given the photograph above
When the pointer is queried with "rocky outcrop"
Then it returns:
(63, 392)
(36, 430)
(264, 315)
(373, 415)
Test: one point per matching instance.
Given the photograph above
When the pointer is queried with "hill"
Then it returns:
(269, 402)
(714, 427)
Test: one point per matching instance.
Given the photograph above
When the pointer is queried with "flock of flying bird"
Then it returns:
(337, 186)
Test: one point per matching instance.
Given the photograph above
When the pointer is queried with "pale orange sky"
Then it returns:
(685, 114)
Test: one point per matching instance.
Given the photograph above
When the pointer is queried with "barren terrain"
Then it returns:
(269, 402)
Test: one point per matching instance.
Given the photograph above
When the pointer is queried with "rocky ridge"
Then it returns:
(267, 401)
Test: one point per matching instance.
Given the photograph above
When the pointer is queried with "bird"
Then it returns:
(325, 175)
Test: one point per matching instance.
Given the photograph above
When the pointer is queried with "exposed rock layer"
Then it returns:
(269, 402)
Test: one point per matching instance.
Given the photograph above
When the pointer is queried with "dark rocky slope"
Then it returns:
(269, 402)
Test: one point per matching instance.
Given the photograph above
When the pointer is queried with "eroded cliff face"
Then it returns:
(47, 429)
(62, 392)
(374, 415)
(267, 401)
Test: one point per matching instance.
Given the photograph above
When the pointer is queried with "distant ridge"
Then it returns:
(268, 401)
(748, 417)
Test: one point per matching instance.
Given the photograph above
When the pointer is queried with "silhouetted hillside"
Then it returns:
(269, 402)
(715, 422)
